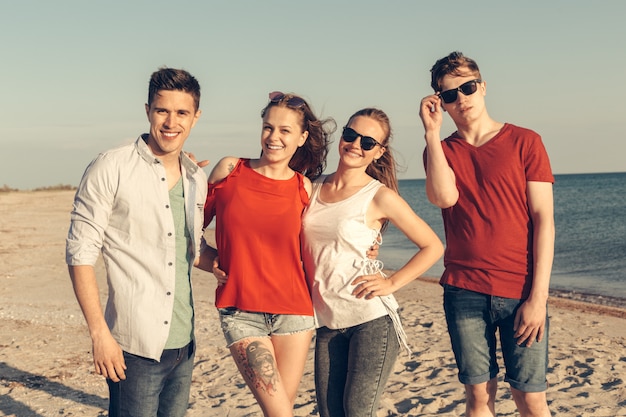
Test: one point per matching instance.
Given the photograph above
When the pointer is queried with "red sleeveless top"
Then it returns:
(257, 231)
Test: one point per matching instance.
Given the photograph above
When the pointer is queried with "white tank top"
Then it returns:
(335, 239)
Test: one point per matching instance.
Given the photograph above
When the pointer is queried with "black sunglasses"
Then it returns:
(294, 102)
(468, 88)
(367, 143)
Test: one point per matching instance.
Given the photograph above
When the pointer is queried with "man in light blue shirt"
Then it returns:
(141, 207)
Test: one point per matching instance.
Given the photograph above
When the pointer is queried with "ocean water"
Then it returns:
(590, 247)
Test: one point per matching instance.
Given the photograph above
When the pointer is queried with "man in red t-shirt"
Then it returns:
(493, 182)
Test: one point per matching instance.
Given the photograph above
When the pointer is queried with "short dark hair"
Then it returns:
(453, 64)
(173, 79)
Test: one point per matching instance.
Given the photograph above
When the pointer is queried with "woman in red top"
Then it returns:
(264, 302)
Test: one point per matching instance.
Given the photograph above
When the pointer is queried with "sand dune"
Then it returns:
(45, 358)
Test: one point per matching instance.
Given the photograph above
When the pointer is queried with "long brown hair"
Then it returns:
(310, 158)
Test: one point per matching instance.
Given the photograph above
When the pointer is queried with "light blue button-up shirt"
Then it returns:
(122, 210)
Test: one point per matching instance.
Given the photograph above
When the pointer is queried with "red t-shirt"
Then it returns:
(489, 234)
(257, 231)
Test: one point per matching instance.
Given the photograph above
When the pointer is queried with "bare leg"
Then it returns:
(291, 353)
(272, 369)
(481, 399)
(531, 404)
(256, 361)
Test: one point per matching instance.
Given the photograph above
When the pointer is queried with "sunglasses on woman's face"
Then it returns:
(294, 102)
(468, 88)
(367, 143)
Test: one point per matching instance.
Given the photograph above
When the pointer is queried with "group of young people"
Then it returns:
(296, 251)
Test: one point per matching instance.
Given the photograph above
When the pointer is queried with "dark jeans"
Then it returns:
(153, 388)
(352, 367)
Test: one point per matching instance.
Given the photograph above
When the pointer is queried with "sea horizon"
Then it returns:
(64, 186)
(590, 246)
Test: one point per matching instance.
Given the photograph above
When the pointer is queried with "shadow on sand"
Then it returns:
(11, 377)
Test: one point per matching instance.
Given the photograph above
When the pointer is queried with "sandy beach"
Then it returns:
(45, 352)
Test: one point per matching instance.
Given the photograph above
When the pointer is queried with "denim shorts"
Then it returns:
(473, 319)
(238, 324)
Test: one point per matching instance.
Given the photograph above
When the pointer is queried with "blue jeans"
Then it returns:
(473, 319)
(352, 367)
(153, 388)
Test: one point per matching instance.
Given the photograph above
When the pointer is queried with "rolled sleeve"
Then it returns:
(90, 214)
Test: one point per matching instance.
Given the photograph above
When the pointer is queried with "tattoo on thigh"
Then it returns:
(260, 367)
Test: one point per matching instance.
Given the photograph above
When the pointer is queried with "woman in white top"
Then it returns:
(358, 329)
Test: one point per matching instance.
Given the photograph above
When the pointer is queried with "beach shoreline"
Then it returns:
(45, 352)
(573, 300)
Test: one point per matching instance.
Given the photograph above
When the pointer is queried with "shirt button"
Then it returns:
(165, 322)
(167, 206)
(163, 179)
(169, 264)
(169, 234)
(169, 293)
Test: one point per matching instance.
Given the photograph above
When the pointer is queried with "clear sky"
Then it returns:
(75, 73)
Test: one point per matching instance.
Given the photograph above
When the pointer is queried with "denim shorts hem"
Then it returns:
(520, 386)
(477, 379)
(476, 323)
(231, 341)
(238, 325)
(294, 332)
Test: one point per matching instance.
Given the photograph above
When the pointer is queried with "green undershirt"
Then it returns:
(181, 330)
